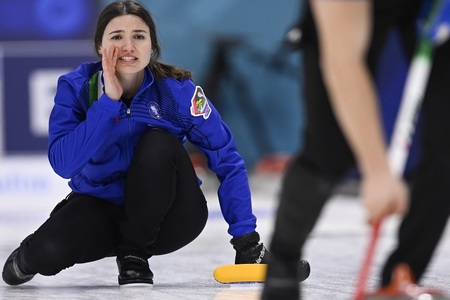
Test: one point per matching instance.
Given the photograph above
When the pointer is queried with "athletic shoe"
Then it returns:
(134, 270)
(12, 274)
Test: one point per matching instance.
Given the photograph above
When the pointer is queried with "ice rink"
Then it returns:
(335, 250)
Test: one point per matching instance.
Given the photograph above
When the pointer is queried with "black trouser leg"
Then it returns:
(84, 229)
(164, 206)
(302, 198)
(422, 227)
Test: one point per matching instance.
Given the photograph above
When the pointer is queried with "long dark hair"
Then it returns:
(127, 7)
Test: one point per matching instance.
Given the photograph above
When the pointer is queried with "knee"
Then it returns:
(157, 142)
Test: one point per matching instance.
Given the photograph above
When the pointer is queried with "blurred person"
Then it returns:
(116, 131)
(341, 44)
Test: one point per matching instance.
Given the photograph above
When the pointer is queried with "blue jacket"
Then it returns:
(92, 142)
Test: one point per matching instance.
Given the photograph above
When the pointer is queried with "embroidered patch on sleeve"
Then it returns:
(199, 104)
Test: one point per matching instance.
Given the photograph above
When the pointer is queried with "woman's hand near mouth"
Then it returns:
(113, 87)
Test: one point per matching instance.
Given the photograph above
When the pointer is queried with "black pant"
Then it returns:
(326, 157)
(164, 210)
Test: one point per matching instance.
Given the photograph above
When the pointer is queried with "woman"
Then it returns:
(342, 46)
(116, 131)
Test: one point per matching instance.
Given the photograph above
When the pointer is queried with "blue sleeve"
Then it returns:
(74, 134)
(212, 136)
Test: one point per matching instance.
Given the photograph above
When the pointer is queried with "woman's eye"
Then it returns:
(139, 37)
(116, 37)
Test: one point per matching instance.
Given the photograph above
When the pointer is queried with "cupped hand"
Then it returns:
(113, 87)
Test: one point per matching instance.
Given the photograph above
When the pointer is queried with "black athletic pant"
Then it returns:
(164, 210)
(326, 157)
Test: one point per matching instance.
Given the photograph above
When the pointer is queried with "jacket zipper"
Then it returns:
(129, 131)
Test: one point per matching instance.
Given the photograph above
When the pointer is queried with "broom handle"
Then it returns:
(362, 279)
(405, 124)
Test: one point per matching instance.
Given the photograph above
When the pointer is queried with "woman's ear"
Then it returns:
(99, 50)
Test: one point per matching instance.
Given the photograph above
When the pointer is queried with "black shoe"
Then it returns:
(134, 270)
(12, 274)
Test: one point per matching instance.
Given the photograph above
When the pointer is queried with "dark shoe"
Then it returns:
(12, 274)
(134, 270)
(282, 280)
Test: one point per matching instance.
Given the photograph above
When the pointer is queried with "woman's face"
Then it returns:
(131, 36)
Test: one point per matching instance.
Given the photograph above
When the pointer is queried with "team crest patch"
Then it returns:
(199, 104)
(154, 110)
